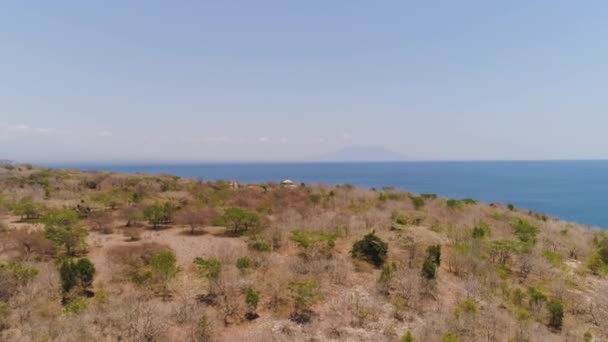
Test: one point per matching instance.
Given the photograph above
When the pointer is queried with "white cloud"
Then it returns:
(346, 136)
(263, 139)
(318, 140)
(217, 140)
(284, 140)
(18, 128)
(105, 134)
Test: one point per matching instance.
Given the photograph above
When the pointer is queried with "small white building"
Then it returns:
(288, 183)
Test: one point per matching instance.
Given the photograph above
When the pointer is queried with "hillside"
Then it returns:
(91, 256)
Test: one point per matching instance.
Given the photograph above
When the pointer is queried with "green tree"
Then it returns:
(304, 294)
(252, 298)
(417, 201)
(524, 231)
(76, 274)
(240, 220)
(210, 269)
(26, 209)
(164, 267)
(158, 214)
(481, 230)
(556, 313)
(429, 268)
(371, 249)
(63, 228)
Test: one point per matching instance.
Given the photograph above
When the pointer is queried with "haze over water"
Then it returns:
(570, 190)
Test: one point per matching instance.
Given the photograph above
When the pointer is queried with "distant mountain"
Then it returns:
(361, 153)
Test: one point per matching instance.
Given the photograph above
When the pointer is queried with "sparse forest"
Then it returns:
(95, 256)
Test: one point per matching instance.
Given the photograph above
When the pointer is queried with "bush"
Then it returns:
(454, 203)
(313, 242)
(429, 269)
(63, 228)
(407, 337)
(431, 262)
(466, 306)
(26, 209)
(257, 243)
(158, 214)
(240, 220)
(428, 196)
(210, 269)
(417, 202)
(76, 274)
(243, 263)
(556, 313)
(164, 267)
(371, 249)
(524, 230)
(434, 252)
(252, 298)
(481, 230)
(449, 337)
(304, 294)
(77, 306)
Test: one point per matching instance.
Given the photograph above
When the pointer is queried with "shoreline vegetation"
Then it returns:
(107, 256)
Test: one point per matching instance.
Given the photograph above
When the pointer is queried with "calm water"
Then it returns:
(571, 190)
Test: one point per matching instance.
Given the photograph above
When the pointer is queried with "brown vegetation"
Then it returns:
(268, 263)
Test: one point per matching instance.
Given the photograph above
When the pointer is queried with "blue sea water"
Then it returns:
(571, 190)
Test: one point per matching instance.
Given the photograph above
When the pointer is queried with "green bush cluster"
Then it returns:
(431, 262)
(371, 249)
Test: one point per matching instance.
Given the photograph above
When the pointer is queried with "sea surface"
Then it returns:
(571, 190)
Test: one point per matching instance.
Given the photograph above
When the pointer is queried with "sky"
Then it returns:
(290, 80)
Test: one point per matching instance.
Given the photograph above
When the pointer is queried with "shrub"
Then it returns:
(454, 204)
(536, 295)
(313, 242)
(407, 337)
(596, 265)
(243, 263)
(524, 230)
(26, 209)
(76, 274)
(158, 214)
(252, 298)
(18, 271)
(210, 269)
(417, 202)
(240, 220)
(304, 294)
(64, 230)
(428, 196)
(481, 230)
(164, 267)
(511, 207)
(466, 306)
(386, 276)
(77, 306)
(429, 269)
(434, 253)
(556, 313)
(449, 337)
(553, 258)
(257, 243)
(371, 249)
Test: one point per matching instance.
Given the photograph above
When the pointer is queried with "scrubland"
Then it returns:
(92, 256)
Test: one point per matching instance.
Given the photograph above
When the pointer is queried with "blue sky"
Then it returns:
(286, 80)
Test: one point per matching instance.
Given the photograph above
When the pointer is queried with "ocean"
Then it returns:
(574, 191)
